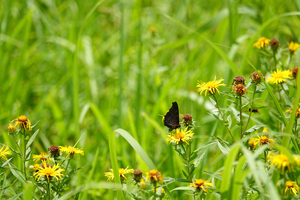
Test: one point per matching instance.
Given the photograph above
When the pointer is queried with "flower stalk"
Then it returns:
(250, 109)
(217, 105)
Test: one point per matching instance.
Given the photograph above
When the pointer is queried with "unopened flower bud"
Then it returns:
(137, 175)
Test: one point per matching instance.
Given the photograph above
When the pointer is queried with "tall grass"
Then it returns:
(95, 66)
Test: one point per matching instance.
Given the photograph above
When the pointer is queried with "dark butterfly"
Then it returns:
(171, 119)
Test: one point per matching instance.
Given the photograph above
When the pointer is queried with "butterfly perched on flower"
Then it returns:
(171, 119)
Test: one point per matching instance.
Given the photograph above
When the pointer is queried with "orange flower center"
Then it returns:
(22, 118)
(179, 135)
(199, 182)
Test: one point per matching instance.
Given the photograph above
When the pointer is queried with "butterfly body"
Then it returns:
(171, 119)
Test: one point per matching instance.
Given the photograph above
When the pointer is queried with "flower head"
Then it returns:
(274, 43)
(240, 89)
(238, 80)
(42, 157)
(154, 176)
(292, 187)
(293, 46)
(11, 128)
(252, 143)
(162, 192)
(70, 151)
(187, 119)
(180, 136)
(137, 175)
(200, 184)
(294, 72)
(210, 86)
(4, 152)
(122, 172)
(23, 123)
(279, 76)
(281, 161)
(262, 42)
(297, 112)
(48, 171)
(255, 77)
(54, 150)
(265, 130)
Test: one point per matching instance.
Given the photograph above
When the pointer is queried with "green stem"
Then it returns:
(295, 131)
(18, 145)
(48, 191)
(222, 116)
(68, 163)
(274, 56)
(241, 117)
(285, 92)
(154, 190)
(24, 155)
(250, 110)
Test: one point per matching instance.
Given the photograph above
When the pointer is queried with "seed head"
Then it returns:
(274, 43)
(238, 80)
(54, 150)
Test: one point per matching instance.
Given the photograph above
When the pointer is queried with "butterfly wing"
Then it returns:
(172, 117)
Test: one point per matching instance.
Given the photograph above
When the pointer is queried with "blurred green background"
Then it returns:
(94, 66)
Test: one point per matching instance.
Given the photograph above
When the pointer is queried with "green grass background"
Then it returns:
(89, 67)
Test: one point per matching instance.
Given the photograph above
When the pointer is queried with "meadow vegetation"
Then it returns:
(86, 87)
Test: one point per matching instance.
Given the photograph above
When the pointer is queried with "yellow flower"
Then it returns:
(261, 140)
(23, 123)
(265, 129)
(297, 112)
(180, 136)
(154, 176)
(281, 161)
(297, 159)
(210, 86)
(252, 143)
(49, 172)
(279, 76)
(262, 42)
(70, 151)
(122, 172)
(4, 152)
(200, 184)
(292, 186)
(293, 46)
(42, 157)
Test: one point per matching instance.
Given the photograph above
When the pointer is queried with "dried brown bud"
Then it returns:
(255, 77)
(187, 119)
(240, 89)
(54, 150)
(137, 175)
(238, 80)
(274, 43)
(295, 72)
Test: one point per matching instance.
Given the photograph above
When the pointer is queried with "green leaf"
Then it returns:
(137, 147)
(213, 174)
(30, 141)
(16, 173)
(225, 193)
(29, 191)
(253, 128)
(223, 149)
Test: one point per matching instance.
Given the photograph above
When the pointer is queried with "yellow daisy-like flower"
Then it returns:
(48, 171)
(281, 161)
(154, 176)
(71, 150)
(180, 136)
(261, 140)
(262, 42)
(292, 187)
(297, 112)
(200, 184)
(23, 123)
(265, 129)
(279, 76)
(210, 86)
(293, 46)
(122, 172)
(42, 157)
(4, 152)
